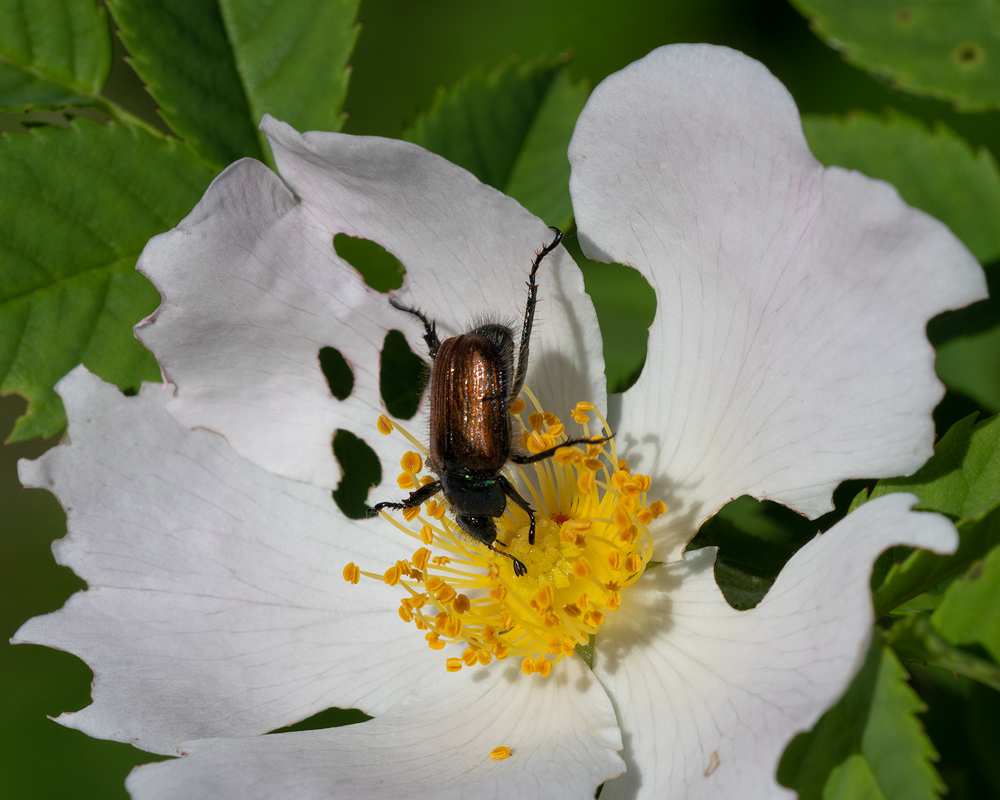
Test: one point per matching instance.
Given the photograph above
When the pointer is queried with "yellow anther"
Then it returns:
(446, 593)
(629, 535)
(500, 753)
(556, 430)
(623, 466)
(528, 665)
(592, 464)
(440, 561)
(435, 509)
(644, 515)
(427, 534)
(542, 600)
(405, 481)
(461, 604)
(352, 573)
(659, 507)
(618, 479)
(469, 656)
(543, 667)
(536, 420)
(411, 462)
(572, 610)
(405, 614)
(614, 560)
(384, 425)
(426, 479)
(498, 593)
(490, 635)
(420, 558)
(586, 482)
(453, 664)
(517, 406)
(433, 583)
(391, 576)
(501, 651)
(410, 514)
(581, 568)
(621, 518)
(564, 456)
(633, 563)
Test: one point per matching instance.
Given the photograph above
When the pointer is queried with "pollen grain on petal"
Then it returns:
(500, 753)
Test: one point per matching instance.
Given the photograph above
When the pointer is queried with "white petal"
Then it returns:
(252, 289)
(217, 604)
(788, 351)
(697, 684)
(561, 731)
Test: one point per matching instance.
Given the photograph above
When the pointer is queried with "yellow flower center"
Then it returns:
(591, 541)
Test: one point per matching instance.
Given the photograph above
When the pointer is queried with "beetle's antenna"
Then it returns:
(529, 314)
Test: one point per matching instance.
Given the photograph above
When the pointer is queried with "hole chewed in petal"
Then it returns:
(402, 376)
(380, 268)
(329, 718)
(361, 471)
(337, 372)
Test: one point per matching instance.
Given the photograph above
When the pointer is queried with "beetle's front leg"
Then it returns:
(520, 502)
(425, 492)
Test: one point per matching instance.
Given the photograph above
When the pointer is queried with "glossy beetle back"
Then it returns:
(470, 426)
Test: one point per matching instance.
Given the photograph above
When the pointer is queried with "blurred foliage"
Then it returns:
(495, 87)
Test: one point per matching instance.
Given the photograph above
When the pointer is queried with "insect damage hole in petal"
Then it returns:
(402, 376)
(380, 269)
(361, 470)
(337, 372)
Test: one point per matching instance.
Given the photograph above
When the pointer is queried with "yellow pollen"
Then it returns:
(500, 753)
(384, 425)
(591, 543)
(517, 406)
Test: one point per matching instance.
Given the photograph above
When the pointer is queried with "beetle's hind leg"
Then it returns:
(430, 327)
(425, 492)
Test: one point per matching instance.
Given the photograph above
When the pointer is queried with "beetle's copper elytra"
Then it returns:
(473, 383)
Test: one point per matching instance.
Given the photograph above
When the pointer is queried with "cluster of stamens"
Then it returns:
(591, 541)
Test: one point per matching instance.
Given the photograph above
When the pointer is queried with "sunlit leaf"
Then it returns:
(76, 208)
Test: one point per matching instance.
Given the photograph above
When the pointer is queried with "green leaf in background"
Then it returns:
(961, 480)
(949, 50)
(511, 129)
(76, 208)
(916, 640)
(934, 170)
(180, 50)
(969, 613)
(870, 744)
(52, 53)
(292, 58)
(215, 72)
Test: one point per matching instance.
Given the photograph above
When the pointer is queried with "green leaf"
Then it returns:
(215, 72)
(511, 129)
(934, 170)
(949, 50)
(76, 208)
(961, 480)
(53, 53)
(292, 58)
(915, 639)
(969, 612)
(180, 50)
(755, 540)
(870, 744)
(970, 363)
